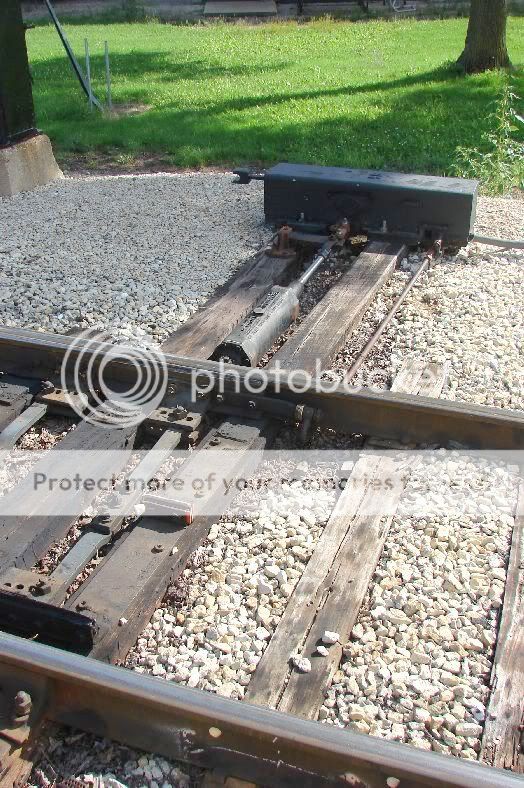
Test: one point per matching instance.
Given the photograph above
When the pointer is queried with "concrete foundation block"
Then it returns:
(27, 164)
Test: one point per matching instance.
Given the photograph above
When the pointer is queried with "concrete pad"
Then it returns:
(27, 164)
(240, 8)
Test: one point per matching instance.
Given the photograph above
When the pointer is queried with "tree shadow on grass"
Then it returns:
(415, 122)
(163, 65)
(417, 131)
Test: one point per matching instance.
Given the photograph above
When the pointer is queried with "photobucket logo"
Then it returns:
(251, 380)
(86, 368)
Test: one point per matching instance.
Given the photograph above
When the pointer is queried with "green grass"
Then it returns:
(378, 94)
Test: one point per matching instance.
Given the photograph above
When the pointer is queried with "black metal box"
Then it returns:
(414, 208)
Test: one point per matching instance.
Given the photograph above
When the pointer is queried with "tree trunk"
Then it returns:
(486, 38)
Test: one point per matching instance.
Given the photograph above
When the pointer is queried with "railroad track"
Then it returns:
(62, 638)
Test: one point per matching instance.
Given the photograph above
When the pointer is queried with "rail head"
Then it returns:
(190, 724)
(383, 414)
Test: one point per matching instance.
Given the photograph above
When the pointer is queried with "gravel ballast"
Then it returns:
(468, 312)
(417, 666)
(137, 255)
(132, 254)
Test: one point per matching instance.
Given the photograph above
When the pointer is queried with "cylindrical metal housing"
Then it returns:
(271, 317)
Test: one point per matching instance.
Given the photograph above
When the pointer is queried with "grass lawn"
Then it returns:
(376, 94)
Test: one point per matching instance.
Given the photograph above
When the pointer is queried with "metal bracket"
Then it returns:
(62, 402)
(251, 406)
(176, 417)
(281, 245)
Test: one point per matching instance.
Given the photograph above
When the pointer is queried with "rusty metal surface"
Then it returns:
(382, 414)
(254, 743)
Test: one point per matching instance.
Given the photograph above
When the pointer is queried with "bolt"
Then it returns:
(158, 548)
(41, 587)
(82, 606)
(179, 412)
(252, 404)
(220, 398)
(193, 437)
(214, 441)
(298, 414)
(47, 387)
(21, 708)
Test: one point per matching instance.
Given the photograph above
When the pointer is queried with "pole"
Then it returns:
(69, 52)
(108, 79)
(88, 75)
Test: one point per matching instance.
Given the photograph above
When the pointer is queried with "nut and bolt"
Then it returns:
(193, 437)
(158, 548)
(41, 587)
(82, 606)
(47, 387)
(21, 708)
(179, 412)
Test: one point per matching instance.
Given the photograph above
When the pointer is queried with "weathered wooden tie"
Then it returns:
(200, 335)
(503, 738)
(331, 322)
(330, 593)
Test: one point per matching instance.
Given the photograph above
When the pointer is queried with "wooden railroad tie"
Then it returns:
(332, 588)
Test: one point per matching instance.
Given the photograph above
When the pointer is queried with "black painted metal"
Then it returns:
(17, 117)
(412, 208)
(273, 315)
(33, 618)
(72, 59)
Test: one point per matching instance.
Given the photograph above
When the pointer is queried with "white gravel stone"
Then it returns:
(418, 664)
(133, 254)
(329, 638)
(302, 664)
(245, 575)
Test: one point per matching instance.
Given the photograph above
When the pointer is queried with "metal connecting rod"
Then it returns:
(269, 319)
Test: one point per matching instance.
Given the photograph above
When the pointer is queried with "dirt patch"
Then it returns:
(124, 163)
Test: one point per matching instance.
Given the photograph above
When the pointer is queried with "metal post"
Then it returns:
(88, 75)
(108, 79)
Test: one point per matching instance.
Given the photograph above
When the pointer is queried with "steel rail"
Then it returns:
(385, 414)
(247, 741)
(374, 338)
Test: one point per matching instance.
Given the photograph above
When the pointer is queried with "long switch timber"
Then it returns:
(157, 549)
(331, 590)
(331, 322)
(200, 335)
